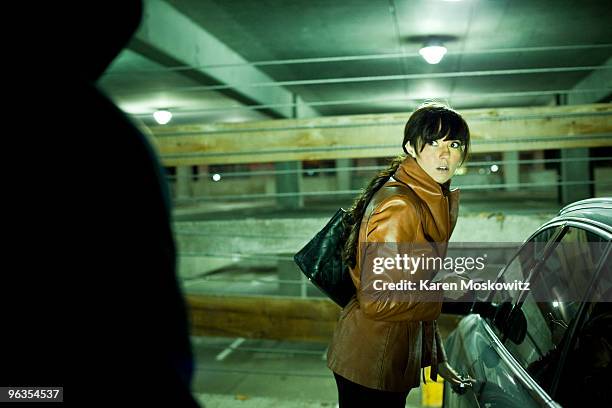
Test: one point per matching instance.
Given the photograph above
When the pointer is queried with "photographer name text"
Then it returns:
(427, 285)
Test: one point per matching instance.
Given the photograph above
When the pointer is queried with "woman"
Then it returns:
(383, 338)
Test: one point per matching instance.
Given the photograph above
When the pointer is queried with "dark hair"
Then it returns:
(429, 122)
(433, 121)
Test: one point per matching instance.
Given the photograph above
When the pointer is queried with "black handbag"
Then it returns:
(321, 261)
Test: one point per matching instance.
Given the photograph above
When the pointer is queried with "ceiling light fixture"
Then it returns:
(162, 116)
(433, 52)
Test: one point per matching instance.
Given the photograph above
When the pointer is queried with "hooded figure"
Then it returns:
(91, 302)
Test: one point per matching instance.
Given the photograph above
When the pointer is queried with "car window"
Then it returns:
(558, 286)
(518, 270)
(589, 361)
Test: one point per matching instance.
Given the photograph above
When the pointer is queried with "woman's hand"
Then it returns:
(449, 374)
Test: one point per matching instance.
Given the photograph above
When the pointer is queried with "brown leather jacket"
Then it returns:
(383, 342)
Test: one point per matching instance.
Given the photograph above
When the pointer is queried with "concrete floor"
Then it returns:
(227, 401)
(265, 373)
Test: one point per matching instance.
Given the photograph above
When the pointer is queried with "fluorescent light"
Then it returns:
(162, 116)
(433, 53)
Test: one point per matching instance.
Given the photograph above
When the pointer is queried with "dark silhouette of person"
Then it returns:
(89, 294)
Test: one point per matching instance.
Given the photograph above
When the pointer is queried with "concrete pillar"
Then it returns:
(200, 183)
(575, 172)
(596, 83)
(289, 183)
(343, 177)
(202, 171)
(183, 182)
(511, 171)
(538, 155)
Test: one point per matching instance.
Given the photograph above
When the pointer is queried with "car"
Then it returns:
(548, 345)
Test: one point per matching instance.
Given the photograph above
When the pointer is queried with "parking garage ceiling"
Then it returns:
(229, 61)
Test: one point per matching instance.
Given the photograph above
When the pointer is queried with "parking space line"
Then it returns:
(235, 344)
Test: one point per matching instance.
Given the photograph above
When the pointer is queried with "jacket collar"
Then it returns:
(443, 203)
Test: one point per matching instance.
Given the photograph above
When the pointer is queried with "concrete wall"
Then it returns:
(233, 185)
(603, 181)
(205, 246)
(205, 187)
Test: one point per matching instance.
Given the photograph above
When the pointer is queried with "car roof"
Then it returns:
(597, 210)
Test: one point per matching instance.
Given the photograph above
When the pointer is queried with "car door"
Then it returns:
(517, 356)
(476, 347)
(552, 307)
(571, 295)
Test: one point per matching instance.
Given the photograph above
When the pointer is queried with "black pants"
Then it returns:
(352, 395)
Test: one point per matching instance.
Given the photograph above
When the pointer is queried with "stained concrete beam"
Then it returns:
(601, 80)
(170, 38)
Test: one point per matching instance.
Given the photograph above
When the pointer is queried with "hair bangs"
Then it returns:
(444, 125)
(434, 121)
